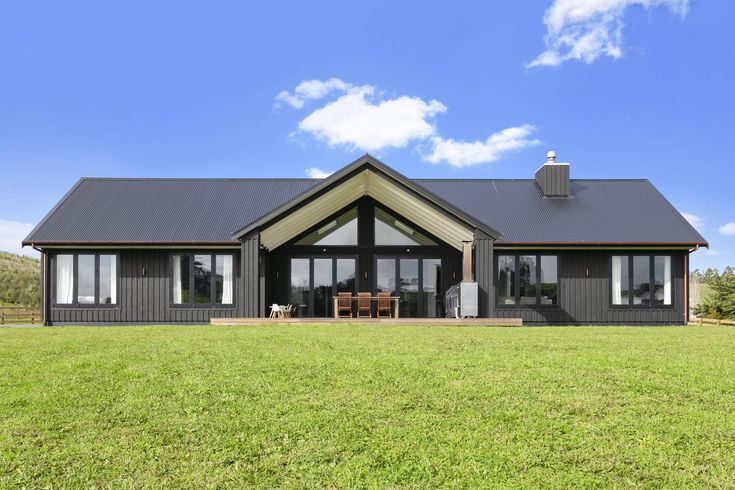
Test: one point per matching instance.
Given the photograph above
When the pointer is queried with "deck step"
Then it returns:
(495, 322)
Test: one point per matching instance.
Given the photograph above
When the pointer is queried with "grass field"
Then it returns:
(341, 406)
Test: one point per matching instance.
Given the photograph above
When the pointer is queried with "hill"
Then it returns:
(19, 280)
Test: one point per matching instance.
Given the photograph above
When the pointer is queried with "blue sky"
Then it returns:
(619, 88)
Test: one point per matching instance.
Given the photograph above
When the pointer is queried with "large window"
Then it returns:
(341, 231)
(527, 280)
(641, 280)
(203, 279)
(392, 231)
(86, 279)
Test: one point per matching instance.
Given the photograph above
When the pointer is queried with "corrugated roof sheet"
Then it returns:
(210, 210)
(599, 211)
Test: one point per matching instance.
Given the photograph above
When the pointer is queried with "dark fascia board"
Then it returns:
(368, 160)
(27, 242)
(601, 244)
(128, 243)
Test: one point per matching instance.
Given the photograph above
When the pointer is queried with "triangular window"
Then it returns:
(339, 231)
(391, 231)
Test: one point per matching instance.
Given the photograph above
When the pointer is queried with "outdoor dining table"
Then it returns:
(394, 299)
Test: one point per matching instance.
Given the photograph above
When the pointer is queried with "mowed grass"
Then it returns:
(378, 406)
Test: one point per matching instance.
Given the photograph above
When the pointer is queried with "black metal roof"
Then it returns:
(209, 211)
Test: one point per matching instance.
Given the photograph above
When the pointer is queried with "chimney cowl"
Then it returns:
(553, 177)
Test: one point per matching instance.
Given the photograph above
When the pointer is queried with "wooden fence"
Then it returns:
(15, 315)
(710, 321)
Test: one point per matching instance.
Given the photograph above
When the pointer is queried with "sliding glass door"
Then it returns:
(314, 281)
(417, 281)
(323, 286)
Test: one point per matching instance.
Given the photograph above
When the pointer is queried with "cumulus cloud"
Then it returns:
(694, 220)
(585, 30)
(359, 117)
(728, 229)
(466, 153)
(317, 173)
(356, 120)
(12, 234)
(310, 90)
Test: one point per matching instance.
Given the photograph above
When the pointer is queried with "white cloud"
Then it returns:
(728, 229)
(356, 121)
(711, 252)
(464, 153)
(311, 90)
(584, 30)
(359, 117)
(12, 234)
(694, 220)
(317, 173)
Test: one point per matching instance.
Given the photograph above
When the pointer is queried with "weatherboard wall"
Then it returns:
(585, 295)
(141, 298)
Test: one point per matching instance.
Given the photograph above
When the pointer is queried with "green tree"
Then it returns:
(720, 303)
(710, 275)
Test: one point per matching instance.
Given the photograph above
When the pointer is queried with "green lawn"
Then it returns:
(341, 406)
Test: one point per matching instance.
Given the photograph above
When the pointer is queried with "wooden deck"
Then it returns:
(486, 322)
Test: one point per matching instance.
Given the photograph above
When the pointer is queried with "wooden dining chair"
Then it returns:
(363, 305)
(344, 305)
(384, 305)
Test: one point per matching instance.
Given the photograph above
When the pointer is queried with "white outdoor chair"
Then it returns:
(288, 311)
(276, 311)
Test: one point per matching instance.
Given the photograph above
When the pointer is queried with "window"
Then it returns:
(391, 231)
(641, 280)
(339, 231)
(527, 280)
(85, 285)
(506, 286)
(65, 279)
(202, 279)
(86, 279)
(549, 280)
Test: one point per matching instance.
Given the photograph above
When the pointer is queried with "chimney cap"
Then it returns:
(551, 156)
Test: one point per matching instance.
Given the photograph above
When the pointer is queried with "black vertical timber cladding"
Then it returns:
(585, 297)
(141, 298)
(553, 179)
(250, 248)
(484, 265)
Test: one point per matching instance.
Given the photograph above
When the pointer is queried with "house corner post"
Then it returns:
(243, 281)
(250, 290)
(484, 273)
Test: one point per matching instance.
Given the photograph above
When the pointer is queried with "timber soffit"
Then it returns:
(368, 160)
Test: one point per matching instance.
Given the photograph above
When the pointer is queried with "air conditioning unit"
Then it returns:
(468, 297)
(461, 300)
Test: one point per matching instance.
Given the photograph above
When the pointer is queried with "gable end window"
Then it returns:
(527, 280)
(86, 279)
(641, 280)
(202, 279)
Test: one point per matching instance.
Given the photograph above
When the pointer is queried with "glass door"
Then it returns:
(314, 281)
(417, 281)
(408, 305)
(431, 288)
(300, 286)
(323, 285)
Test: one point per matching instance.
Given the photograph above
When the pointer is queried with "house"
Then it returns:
(549, 250)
